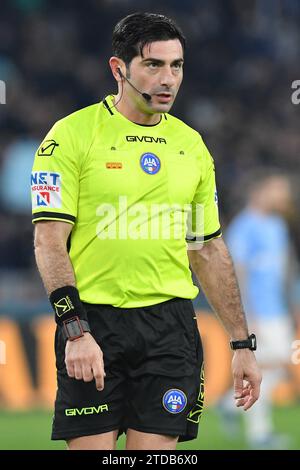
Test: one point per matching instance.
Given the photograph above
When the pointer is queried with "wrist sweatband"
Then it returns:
(66, 304)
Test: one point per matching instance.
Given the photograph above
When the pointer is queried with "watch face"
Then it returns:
(73, 328)
(252, 338)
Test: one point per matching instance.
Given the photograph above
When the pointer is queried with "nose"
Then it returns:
(167, 77)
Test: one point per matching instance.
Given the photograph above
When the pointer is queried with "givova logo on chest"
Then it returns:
(145, 138)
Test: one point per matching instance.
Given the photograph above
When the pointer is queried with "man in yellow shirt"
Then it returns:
(124, 198)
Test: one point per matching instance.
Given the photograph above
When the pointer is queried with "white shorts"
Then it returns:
(274, 340)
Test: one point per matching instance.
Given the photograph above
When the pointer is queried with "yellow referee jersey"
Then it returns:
(135, 194)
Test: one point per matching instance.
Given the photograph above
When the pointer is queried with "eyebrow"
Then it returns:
(161, 62)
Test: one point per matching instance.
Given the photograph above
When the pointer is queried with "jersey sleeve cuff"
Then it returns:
(205, 238)
(53, 216)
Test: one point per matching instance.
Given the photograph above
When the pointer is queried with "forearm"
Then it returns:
(83, 357)
(54, 265)
(213, 268)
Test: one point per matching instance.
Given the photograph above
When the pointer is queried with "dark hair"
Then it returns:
(134, 31)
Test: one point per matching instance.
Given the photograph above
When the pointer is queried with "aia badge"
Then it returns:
(46, 149)
(150, 163)
(174, 401)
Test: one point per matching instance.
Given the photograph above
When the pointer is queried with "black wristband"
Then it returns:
(66, 304)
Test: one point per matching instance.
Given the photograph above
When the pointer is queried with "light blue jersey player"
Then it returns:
(258, 241)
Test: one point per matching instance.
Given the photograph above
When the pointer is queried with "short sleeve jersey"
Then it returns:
(136, 195)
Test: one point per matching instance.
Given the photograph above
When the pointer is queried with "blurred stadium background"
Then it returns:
(241, 61)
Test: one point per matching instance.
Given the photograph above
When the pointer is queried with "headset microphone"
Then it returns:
(146, 96)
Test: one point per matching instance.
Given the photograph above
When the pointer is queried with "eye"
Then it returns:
(177, 66)
(153, 65)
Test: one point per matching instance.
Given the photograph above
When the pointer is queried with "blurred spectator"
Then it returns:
(241, 60)
(259, 243)
(17, 163)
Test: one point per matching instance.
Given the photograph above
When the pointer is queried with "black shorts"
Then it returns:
(154, 374)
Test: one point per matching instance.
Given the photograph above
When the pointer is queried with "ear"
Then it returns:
(116, 65)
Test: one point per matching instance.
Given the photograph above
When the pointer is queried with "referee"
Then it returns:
(124, 199)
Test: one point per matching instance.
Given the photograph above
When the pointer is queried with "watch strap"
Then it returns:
(249, 343)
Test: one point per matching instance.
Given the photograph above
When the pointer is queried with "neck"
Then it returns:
(130, 110)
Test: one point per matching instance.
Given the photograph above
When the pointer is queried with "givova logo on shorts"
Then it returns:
(174, 400)
(89, 410)
(46, 189)
(196, 413)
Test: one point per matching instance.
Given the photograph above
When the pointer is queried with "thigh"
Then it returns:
(166, 406)
(137, 440)
(80, 409)
(105, 441)
(165, 388)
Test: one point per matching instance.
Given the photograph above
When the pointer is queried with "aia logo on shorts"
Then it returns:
(174, 400)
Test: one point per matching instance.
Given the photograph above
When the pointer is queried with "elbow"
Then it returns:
(46, 239)
(41, 239)
(37, 240)
(211, 249)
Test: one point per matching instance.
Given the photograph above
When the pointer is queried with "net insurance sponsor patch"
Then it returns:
(45, 189)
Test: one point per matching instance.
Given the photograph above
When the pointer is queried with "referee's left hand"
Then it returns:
(246, 378)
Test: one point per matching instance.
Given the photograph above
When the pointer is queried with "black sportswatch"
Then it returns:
(249, 343)
(75, 328)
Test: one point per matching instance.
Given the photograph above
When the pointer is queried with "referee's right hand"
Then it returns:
(84, 360)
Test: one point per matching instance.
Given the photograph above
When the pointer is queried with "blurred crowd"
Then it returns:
(241, 60)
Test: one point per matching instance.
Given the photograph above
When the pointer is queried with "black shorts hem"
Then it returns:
(71, 434)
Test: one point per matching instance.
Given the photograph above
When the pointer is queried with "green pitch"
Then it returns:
(31, 430)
